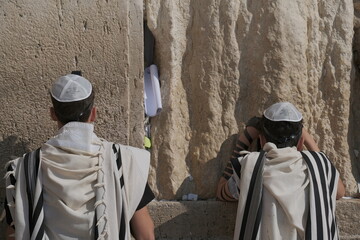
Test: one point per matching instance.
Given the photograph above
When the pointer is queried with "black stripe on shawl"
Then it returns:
(122, 230)
(118, 160)
(96, 232)
(119, 164)
(332, 186)
(122, 226)
(308, 227)
(331, 189)
(333, 174)
(257, 221)
(326, 163)
(40, 234)
(248, 137)
(122, 181)
(242, 146)
(323, 186)
(31, 163)
(250, 196)
(318, 219)
(29, 188)
(12, 178)
(37, 161)
(9, 218)
(39, 204)
(36, 215)
(236, 165)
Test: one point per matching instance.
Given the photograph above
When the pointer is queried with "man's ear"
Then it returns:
(300, 144)
(52, 114)
(92, 116)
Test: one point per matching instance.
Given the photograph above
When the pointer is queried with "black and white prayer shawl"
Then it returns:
(323, 176)
(116, 196)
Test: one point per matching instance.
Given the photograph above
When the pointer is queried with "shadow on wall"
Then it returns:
(12, 147)
(212, 168)
(194, 220)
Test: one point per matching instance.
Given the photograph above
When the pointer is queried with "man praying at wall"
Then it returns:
(283, 193)
(77, 185)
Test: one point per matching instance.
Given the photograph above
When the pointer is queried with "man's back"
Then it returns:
(287, 205)
(81, 186)
(77, 186)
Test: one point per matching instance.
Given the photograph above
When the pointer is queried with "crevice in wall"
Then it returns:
(354, 118)
(149, 43)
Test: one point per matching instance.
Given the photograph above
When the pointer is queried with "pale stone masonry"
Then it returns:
(205, 220)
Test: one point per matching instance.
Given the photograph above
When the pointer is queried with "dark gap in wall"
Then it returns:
(354, 118)
(149, 43)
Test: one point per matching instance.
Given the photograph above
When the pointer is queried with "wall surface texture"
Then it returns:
(222, 62)
(215, 220)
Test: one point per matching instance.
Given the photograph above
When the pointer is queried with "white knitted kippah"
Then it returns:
(71, 88)
(283, 111)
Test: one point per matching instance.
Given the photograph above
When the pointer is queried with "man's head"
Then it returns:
(73, 99)
(282, 125)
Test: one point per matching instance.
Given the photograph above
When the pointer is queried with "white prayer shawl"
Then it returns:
(73, 164)
(296, 198)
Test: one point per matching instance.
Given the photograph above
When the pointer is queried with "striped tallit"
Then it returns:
(31, 203)
(321, 194)
(116, 200)
(324, 179)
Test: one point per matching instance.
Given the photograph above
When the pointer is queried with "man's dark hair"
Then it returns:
(282, 133)
(78, 111)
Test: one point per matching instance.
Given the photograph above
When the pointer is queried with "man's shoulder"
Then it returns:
(119, 145)
(307, 152)
(248, 156)
(128, 147)
(315, 156)
(16, 160)
(131, 150)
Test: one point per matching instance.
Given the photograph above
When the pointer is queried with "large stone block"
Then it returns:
(222, 62)
(216, 220)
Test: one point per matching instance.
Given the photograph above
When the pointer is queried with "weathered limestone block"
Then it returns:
(222, 62)
(42, 40)
(216, 220)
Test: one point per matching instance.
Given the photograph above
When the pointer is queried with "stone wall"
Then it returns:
(215, 220)
(222, 62)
